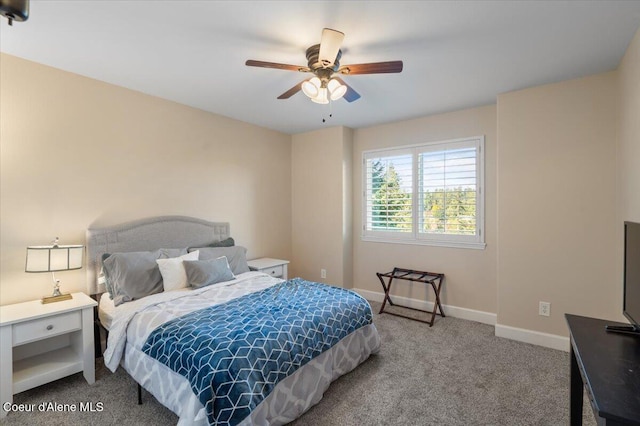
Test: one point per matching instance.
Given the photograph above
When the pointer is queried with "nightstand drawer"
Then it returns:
(275, 271)
(45, 327)
(277, 268)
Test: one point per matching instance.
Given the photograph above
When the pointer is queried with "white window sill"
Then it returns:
(422, 242)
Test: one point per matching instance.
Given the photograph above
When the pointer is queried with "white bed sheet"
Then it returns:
(106, 310)
(291, 397)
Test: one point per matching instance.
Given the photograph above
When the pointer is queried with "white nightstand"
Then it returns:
(40, 343)
(274, 267)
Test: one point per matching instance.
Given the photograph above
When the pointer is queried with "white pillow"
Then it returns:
(174, 276)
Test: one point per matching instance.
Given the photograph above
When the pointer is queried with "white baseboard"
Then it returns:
(520, 334)
(547, 340)
(454, 311)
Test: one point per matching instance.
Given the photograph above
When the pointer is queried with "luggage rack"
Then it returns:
(434, 279)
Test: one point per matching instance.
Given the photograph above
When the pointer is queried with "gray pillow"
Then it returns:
(107, 284)
(227, 242)
(134, 275)
(236, 255)
(202, 273)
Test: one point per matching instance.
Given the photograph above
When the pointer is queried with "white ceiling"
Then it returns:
(456, 54)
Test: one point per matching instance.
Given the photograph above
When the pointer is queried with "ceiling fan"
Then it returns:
(324, 63)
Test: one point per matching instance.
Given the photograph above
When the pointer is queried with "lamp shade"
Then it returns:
(311, 87)
(322, 96)
(54, 258)
(336, 89)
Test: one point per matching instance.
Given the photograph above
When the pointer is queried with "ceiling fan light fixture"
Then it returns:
(322, 97)
(311, 87)
(336, 89)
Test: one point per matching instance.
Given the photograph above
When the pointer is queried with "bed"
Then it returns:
(252, 349)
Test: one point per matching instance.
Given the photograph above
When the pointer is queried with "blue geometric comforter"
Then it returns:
(235, 353)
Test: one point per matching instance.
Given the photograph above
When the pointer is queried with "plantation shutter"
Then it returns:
(448, 189)
(388, 198)
(430, 194)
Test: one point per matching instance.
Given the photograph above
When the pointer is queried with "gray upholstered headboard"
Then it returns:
(145, 235)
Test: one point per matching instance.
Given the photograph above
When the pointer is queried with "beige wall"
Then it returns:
(629, 136)
(321, 211)
(470, 274)
(347, 207)
(77, 152)
(556, 203)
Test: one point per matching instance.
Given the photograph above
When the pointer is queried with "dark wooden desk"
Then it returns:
(608, 364)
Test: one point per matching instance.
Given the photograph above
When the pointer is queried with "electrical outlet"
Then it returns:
(544, 309)
(323, 273)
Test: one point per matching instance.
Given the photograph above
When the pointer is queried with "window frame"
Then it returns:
(416, 237)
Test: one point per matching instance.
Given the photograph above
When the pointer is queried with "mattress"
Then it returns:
(106, 310)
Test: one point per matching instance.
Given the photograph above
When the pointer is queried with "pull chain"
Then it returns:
(330, 111)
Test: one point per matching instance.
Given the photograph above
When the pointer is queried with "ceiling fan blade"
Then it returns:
(329, 46)
(372, 68)
(351, 95)
(286, 67)
(295, 89)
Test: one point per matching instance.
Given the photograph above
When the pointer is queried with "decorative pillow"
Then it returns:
(227, 242)
(134, 275)
(201, 273)
(236, 255)
(172, 252)
(173, 275)
(103, 275)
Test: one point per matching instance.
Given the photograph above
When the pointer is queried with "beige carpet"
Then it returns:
(455, 373)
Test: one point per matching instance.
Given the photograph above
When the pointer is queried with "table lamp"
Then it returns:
(54, 258)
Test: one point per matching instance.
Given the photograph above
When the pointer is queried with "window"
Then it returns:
(425, 194)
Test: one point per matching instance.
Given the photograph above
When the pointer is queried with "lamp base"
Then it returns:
(60, 298)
